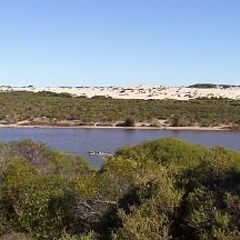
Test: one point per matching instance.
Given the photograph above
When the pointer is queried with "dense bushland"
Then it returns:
(211, 85)
(161, 189)
(19, 106)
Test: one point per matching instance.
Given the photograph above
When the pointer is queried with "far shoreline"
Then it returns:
(189, 128)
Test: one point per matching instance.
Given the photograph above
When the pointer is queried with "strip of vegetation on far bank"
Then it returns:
(65, 110)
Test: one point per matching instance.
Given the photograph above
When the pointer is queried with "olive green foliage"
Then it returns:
(166, 152)
(39, 204)
(15, 236)
(18, 106)
(37, 190)
(213, 200)
(162, 189)
(210, 85)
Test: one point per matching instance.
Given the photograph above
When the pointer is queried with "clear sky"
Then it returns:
(119, 42)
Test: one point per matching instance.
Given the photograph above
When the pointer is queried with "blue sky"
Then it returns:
(119, 42)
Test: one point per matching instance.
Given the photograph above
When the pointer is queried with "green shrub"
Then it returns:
(15, 236)
(36, 204)
(167, 151)
(162, 189)
(212, 200)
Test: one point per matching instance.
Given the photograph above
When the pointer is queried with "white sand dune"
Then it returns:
(138, 92)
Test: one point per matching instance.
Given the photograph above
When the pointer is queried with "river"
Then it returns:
(80, 141)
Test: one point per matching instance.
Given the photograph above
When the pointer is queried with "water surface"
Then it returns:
(80, 141)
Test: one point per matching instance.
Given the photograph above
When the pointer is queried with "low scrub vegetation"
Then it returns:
(47, 108)
(162, 189)
(210, 85)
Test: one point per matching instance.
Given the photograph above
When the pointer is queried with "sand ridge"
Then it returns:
(138, 92)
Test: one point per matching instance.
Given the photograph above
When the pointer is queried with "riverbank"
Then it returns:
(190, 128)
(47, 108)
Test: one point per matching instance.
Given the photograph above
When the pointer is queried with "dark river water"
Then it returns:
(80, 141)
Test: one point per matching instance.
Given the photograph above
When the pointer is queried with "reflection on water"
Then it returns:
(80, 141)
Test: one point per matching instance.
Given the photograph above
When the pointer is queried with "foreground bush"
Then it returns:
(162, 189)
(38, 205)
